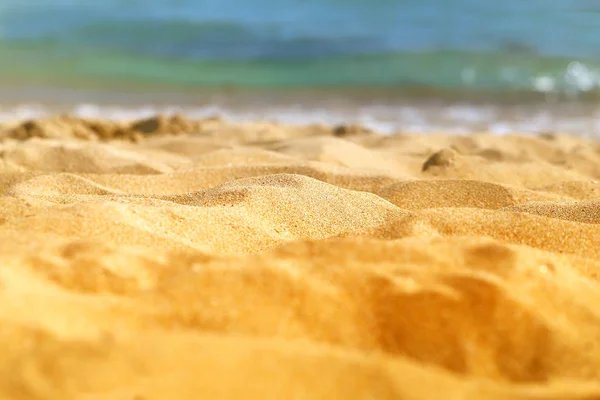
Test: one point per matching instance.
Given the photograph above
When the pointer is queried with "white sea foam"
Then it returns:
(385, 119)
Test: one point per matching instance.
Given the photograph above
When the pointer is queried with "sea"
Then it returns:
(393, 65)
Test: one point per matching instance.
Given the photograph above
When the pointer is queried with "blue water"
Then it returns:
(463, 45)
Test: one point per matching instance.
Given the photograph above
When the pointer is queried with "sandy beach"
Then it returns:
(171, 258)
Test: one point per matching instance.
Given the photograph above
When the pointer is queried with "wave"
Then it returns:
(428, 46)
(50, 62)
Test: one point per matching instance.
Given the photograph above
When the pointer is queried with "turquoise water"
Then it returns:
(461, 45)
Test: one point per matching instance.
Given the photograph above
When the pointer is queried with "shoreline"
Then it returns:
(385, 110)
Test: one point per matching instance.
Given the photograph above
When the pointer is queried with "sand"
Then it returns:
(178, 259)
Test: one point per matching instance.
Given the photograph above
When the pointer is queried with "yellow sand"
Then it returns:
(177, 259)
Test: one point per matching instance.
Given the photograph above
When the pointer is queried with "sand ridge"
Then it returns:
(171, 258)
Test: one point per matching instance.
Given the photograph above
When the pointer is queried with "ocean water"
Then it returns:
(451, 49)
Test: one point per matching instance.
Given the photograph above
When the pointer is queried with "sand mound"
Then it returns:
(200, 177)
(447, 163)
(457, 193)
(582, 211)
(169, 258)
(174, 125)
(81, 157)
(335, 151)
(251, 214)
(241, 156)
(67, 126)
(59, 184)
(579, 190)
(186, 146)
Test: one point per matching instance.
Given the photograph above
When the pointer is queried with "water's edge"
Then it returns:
(383, 109)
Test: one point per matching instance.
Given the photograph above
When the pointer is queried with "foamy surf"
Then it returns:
(582, 120)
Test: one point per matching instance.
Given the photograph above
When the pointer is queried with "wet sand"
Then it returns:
(176, 259)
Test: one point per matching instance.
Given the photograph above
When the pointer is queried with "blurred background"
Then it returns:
(416, 65)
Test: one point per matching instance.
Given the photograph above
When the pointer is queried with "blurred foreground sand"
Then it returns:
(176, 259)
